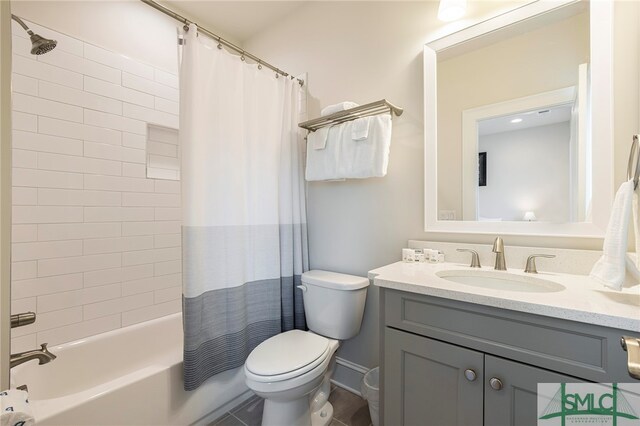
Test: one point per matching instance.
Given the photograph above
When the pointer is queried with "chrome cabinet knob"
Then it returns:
(495, 383)
(470, 374)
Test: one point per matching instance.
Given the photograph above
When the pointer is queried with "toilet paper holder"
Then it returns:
(632, 346)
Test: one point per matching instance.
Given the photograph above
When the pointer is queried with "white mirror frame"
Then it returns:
(601, 54)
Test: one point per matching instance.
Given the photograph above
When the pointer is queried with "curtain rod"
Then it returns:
(216, 37)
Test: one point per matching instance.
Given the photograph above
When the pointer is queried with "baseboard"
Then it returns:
(221, 411)
(348, 375)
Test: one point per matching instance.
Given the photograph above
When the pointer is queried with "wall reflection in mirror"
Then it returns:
(513, 122)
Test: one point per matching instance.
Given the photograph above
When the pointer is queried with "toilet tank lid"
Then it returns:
(334, 280)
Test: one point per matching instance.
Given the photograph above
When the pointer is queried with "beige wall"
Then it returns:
(527, 64)
(363, 51)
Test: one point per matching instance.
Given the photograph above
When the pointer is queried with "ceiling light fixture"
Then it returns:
(450, 10)
(516, 120)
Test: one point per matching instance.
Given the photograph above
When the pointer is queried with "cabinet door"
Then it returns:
(425, 382)
(516, 402)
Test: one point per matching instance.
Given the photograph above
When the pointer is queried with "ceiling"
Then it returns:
(528, 119)
(234, 20)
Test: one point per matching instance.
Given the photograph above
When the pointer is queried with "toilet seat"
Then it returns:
(287, 355)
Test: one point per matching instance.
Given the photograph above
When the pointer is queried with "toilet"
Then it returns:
(291, 370)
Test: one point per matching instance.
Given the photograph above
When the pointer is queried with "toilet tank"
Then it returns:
(334, 303)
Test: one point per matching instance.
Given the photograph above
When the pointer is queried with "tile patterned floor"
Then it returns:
(348, 410)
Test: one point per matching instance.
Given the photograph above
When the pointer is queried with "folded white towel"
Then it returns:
(360, 129)
(344, 158)
(610, 269)
(331, 109)
(15, 409)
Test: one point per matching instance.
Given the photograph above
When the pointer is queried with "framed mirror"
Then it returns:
(518, 123)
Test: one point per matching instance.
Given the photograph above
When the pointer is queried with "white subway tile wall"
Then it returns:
(96, 244)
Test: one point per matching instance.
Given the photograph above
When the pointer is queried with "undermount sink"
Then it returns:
(501, 281)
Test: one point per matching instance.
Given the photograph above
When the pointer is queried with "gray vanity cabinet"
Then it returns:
(428, 382)
(515, 402)
(450, 363)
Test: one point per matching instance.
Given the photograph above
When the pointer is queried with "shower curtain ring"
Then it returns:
(219, 43)
(259, 65)
(242, 58)
(277, 73)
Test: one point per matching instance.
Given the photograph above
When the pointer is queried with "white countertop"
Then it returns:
(582, 300)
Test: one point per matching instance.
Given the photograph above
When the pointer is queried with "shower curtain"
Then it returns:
(244, 234)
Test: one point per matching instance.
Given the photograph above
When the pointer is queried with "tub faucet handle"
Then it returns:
(46, 351)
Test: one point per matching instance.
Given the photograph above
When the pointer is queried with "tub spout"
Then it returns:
(42, 355)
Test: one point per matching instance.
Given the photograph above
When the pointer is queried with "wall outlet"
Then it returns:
(447, 215)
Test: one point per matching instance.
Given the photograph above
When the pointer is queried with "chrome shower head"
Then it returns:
(39, 44)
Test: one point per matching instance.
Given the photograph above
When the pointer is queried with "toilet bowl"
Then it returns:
(292, 370)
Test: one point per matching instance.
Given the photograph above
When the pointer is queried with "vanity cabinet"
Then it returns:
(427, 380)
(447, 362)
(436, 383)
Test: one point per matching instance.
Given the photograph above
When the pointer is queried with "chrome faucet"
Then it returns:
(498, 249)
(42, 355)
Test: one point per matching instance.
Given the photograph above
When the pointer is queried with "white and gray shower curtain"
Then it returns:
(244, 234)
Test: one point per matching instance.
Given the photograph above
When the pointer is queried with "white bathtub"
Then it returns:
(130, 376)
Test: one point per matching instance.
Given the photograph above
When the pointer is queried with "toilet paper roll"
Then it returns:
(16, 410)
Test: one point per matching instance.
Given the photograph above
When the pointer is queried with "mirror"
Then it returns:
(518, 138)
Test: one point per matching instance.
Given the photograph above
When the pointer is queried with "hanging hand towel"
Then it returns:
(610, 269)
(344, 158)
(318, 139)
(360, 129)
(15, 409)
(633, 260)
(332, 109)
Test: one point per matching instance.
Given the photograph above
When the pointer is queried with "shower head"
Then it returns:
(39, 44)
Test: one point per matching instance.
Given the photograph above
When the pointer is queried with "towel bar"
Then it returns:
(632, 346)
(634, 154)
(373, 108)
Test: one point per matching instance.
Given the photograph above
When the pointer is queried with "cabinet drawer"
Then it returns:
(581, 350)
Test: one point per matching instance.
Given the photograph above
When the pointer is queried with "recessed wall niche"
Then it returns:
(163, 161)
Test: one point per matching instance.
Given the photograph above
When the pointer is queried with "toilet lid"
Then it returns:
(290, 351)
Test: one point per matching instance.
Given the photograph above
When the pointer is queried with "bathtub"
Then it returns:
(129, 376)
